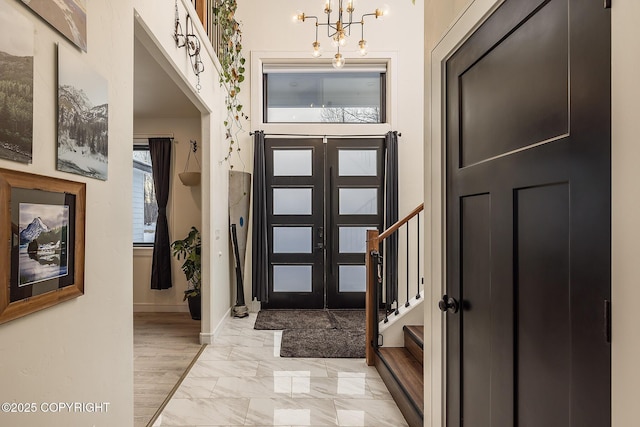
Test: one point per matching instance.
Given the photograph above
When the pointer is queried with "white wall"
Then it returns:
(625, 150)
(156, 18)
(184, 209)
(268, 27)
(81, 350)
(625, 348)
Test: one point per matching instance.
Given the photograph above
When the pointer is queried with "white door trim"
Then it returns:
(463, 26)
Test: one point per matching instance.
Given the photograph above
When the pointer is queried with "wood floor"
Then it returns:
(164, 345)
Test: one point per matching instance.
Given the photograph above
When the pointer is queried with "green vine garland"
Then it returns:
(232, 74)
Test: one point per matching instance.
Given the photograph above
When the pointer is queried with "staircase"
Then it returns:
(397, 354)
(401, 370)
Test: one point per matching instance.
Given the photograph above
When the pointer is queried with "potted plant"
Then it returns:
(189, 249)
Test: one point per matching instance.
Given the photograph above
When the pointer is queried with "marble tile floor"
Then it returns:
(241, 380)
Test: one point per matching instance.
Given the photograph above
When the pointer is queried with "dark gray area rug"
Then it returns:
(293, 319)
(317, 333)
(322, 343)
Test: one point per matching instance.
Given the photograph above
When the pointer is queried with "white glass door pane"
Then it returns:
(292, 278)
(353, 278)
(292, 201)
(357, 163)
(292, 240)
(358, 201)
(353, 240)
(292, 162)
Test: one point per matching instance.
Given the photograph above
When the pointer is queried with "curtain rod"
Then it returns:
(143, 138)
(323, 135)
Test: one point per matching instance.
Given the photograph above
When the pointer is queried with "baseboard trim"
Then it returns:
(209, 337)
(147, 307)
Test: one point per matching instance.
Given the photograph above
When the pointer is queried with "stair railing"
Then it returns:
(374, 301)
(205, 10)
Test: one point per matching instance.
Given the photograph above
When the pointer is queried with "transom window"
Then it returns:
(315, 96)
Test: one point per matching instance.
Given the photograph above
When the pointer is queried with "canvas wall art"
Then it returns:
(16, 85)
(69, 17)
(83, 113)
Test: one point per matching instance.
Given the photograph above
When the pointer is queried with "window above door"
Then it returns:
(298, 95)
(295, 96)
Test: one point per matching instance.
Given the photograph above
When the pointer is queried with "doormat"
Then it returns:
(323, 343)
(317, 333)
(293, 319)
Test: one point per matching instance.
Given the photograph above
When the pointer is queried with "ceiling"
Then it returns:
(155, 94)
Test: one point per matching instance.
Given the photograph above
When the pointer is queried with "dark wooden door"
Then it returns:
(528, 218)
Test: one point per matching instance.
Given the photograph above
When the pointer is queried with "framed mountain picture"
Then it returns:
(16, 84)
(69, 17)
(83, 116)
(42, 219)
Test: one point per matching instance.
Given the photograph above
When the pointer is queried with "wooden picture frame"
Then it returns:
(42, 232)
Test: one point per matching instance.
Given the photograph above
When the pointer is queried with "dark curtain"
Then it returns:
(391, 216)
(160, 150)
(259, 247)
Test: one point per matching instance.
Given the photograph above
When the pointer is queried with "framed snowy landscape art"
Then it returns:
(42, 219)
(69, 17)
(83, 115)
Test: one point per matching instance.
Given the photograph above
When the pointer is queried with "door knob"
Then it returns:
(449, 304)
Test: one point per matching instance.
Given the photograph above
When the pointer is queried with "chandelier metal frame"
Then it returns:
(339, 29)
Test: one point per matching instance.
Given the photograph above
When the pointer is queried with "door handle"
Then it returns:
(319, 246)
(448, 304)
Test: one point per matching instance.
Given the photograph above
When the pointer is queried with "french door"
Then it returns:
(322, 197)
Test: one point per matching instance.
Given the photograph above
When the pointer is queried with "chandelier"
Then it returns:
(339, 27)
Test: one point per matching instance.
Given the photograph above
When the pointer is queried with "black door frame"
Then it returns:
(325, 219)
(316, 258)
(335, 259)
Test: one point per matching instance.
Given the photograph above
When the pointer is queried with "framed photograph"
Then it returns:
(83, 115)
(69, 17)
(42, 219)
(16, 84)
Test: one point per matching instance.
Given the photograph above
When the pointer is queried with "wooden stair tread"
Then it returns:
(407, 372)
(416, 332)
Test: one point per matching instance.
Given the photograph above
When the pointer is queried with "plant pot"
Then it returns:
(190, 179)
(195, 307)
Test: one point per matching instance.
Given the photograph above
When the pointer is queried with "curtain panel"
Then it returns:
(160, 150)
(391, 217)
(260, 246)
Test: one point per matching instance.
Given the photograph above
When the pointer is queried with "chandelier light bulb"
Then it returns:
(327, 7)
(299, 17)
(316, 50)
(362, 47)
(337, 61)
(350, 6)
(340, 39)
(382, 12)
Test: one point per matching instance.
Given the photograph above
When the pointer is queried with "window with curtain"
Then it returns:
(145, 207)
